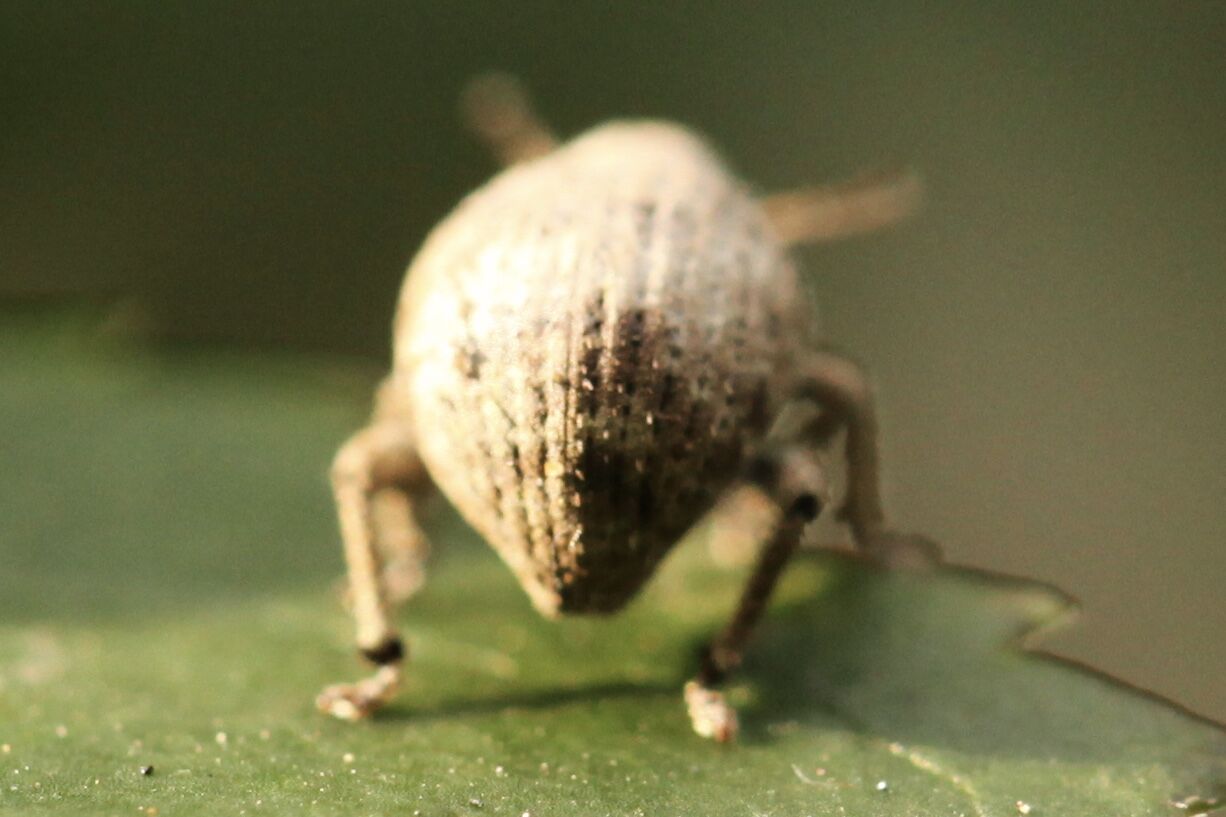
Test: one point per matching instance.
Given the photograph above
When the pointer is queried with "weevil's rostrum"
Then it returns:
(589, 352)
(593, 341)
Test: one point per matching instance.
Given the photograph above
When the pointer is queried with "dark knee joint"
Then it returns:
(715, 664)
(793, 480)
(805, 507)
(389, 651)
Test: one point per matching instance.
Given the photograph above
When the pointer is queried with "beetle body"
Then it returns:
(588, 351)
(588, 346)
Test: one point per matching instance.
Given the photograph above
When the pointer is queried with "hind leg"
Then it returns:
(793, 480)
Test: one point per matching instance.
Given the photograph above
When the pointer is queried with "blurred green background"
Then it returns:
(1048, 338)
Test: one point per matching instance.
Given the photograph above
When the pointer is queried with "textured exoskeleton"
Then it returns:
(589, 352)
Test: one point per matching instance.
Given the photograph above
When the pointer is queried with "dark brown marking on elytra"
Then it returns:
(615, 475)
(759, 405)
(589, 376)
(589, 473)
(542, 458)
(517, 469)
(479, 457)
(469, 360)
(646, 503)
(482, 444)
(592, 344)
(629, 338)
(668, 387)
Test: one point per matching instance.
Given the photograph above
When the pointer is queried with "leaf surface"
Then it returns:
(168, 561)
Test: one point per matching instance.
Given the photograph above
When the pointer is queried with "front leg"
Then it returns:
(377, 459)
(794, 482)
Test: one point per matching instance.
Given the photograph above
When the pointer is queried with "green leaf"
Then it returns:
(167, 597)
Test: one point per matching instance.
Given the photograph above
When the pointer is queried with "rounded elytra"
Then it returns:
(588, 347)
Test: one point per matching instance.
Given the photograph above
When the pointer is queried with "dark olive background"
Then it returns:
(1049, 336)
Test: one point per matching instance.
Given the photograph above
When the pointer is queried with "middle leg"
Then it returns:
(842, 391)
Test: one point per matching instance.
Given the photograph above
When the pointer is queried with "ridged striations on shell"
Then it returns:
(587, 346)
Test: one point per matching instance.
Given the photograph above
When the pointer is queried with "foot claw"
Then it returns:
(710, 714)
(354, 702)
(342, 701)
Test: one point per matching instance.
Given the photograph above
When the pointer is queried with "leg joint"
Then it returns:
(806, 507)
(352, 464)
(389, 651)
(792, 479)
(715, 664)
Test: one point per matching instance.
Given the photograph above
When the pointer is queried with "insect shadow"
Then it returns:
(539, 700)
(903, 661)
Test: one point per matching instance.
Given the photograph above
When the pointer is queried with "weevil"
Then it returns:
(589, 352)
